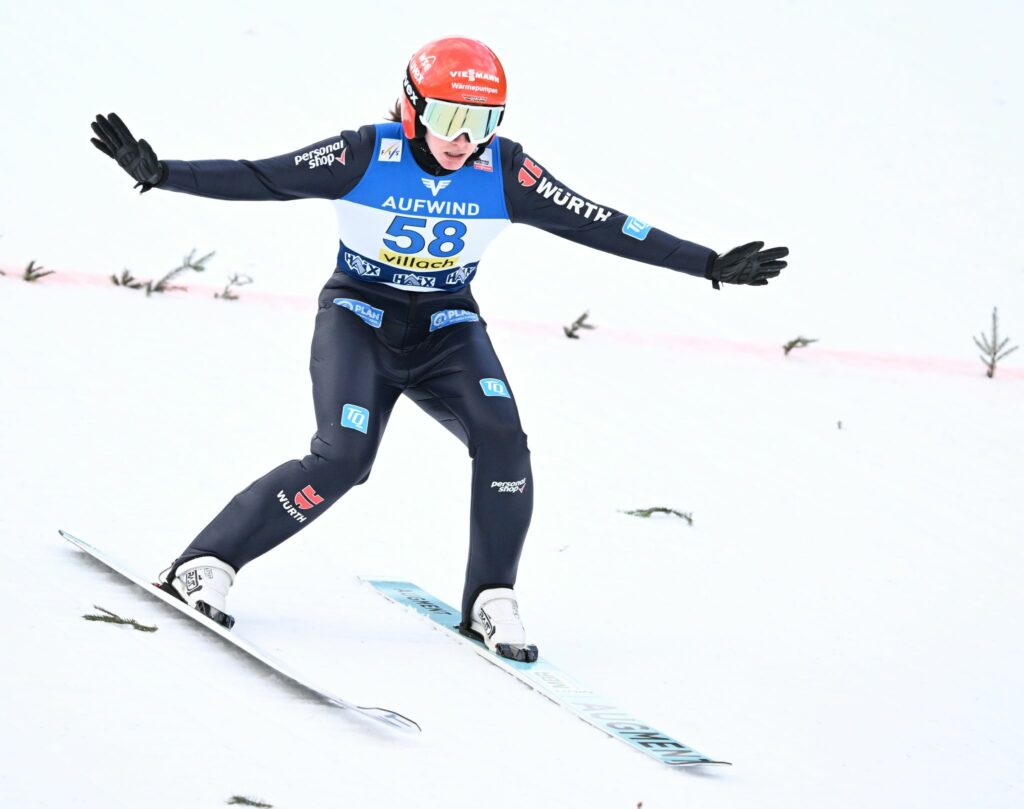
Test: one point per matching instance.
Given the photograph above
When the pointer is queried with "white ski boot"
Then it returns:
(203, 584)
(495, 620)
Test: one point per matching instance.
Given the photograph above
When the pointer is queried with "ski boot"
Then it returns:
(495, 621)
(203, 584)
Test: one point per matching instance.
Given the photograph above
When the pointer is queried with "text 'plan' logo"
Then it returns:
(368, 314)
(449, 317)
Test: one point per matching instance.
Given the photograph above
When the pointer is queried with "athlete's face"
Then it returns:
(451, 154)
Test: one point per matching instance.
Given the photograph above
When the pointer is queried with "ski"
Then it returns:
(390, 718)
(552, 682)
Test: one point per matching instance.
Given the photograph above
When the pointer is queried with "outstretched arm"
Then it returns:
(535, 197)
(324, 170)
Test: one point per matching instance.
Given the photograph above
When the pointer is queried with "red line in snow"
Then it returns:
(816, 355)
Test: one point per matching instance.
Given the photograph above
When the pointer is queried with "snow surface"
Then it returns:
(842, 620)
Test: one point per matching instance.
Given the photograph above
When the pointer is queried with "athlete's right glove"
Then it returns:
(748, 264)
(136, 157)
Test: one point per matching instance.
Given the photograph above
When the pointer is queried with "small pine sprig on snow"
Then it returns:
(241, 800)
(33, 272)
(188, 263)
(236, 280)
(577, 324)
(799, 342)
(993, 347)
(647, 512)
(126, 279)
(112, 618)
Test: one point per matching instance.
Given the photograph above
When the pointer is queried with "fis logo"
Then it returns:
(307, 498)
(460, 276)
(495, 387)
(509, 486)
(368, 314)
(449, 317)
(529, 173)
(436, 185)
(390, 150)
(360, 266)
(355, 417)
(635, 228)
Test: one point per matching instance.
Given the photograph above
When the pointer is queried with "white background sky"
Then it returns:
(879, 140)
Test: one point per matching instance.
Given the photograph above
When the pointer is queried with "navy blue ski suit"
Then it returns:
(398, 317)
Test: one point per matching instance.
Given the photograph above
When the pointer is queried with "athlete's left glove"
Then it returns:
(749, 264)
(136, 157)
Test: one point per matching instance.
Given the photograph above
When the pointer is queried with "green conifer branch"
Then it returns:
(241, 800)
(126, 279)
(992, 347)
(33, 272)
(577, 324)
(236, 280)
(188, 263)
(799, 342)
(647, 512)
(112, 618)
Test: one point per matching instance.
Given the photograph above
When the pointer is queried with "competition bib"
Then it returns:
(406, 228)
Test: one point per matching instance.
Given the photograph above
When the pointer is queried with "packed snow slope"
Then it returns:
(841, 620)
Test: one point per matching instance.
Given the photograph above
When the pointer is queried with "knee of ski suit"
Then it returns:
(343, 464)
(505, 439)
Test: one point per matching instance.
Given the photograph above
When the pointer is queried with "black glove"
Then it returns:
(748, 264)
(135, 157)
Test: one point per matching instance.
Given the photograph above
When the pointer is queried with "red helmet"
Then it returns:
(457, 70)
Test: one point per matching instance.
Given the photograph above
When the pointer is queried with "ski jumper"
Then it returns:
(398, 317)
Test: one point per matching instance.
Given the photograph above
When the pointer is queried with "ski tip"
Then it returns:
(81, 544)
(395, 720)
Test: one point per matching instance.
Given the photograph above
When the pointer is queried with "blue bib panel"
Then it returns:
(403, 227)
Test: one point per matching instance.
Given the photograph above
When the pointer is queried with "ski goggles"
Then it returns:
(447, 120)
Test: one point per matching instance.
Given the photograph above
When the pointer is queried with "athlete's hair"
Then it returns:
(395, 113)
